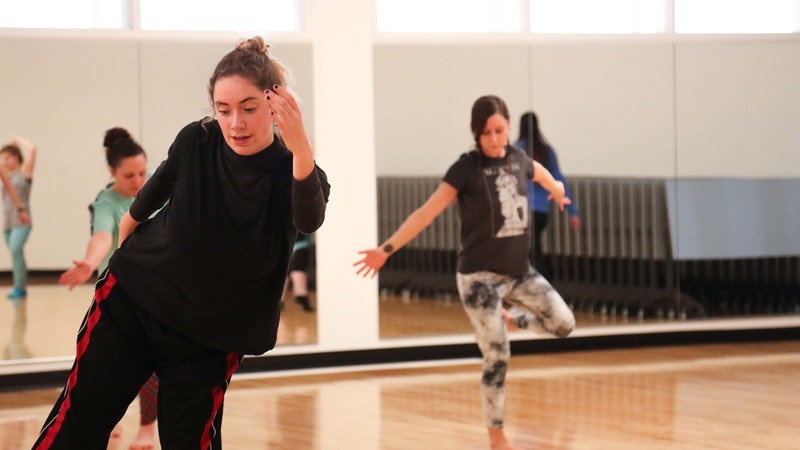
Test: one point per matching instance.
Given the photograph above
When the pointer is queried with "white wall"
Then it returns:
(607, 108)
(738, 109)
(423, 97)
(610, 108)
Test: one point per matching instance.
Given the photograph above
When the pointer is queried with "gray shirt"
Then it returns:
(23, 187)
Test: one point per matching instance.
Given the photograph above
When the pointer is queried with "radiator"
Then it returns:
(619, 263)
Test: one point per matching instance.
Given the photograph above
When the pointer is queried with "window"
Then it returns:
(272, 15)
(594, 16)
(449, 16)
(64, 14)
(737, 16)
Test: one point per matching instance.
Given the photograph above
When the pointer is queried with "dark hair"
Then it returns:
(250, 59)
(536, 146)
(13, 150)
(482, 109)
(120, 145)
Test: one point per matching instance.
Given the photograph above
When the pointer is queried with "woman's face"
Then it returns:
(495, 135)
(10, 162)
(130, 176)
(243, 115)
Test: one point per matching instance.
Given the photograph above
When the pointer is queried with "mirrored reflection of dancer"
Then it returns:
(493, 268)
(18, 159)
(16, 348)
(298, 272)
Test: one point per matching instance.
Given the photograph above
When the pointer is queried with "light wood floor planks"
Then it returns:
(733, 396)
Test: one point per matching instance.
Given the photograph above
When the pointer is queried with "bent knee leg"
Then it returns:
(562, 320)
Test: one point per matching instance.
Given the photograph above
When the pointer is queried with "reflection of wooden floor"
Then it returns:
(418, 317)
(741, 396)
(45, 325)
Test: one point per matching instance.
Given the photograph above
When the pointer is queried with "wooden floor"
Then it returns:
(733, 396)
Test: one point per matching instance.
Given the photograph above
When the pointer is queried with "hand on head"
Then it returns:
(286, 114)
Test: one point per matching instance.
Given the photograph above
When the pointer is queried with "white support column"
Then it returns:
(344, 132)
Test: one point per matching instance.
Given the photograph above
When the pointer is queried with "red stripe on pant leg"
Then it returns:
(148, 403)
(218, 394)
(99, 295)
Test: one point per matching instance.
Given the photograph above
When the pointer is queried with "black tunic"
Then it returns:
(212, 263)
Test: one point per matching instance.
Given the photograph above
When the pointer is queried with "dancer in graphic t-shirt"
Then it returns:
(490, 185)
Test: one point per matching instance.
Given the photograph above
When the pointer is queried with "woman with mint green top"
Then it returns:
(127, 163)
(17, 177)
(106, 210)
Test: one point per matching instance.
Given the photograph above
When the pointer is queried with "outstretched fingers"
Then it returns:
(370, 264)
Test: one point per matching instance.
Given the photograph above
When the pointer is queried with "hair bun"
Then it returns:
(114, 136)
(254, 44)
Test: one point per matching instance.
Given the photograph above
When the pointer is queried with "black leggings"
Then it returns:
(119, 347)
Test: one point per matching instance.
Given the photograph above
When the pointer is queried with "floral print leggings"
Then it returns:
(533, 305)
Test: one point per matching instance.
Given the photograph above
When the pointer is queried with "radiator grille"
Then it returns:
(620, 261)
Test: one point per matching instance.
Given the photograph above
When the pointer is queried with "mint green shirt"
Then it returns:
(107, 210)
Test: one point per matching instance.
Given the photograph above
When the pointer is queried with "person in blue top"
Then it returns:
(537, 147)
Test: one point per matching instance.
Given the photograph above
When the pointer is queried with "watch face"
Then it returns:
(388, 248)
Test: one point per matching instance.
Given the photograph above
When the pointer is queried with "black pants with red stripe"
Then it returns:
(119, 346)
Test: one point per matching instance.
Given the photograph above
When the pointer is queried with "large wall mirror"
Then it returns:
(681, 158)
(63, 94)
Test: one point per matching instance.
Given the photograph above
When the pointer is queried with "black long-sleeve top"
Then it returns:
(212, 263)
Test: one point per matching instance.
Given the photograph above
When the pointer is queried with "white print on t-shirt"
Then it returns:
(500, 170)
(513, 206)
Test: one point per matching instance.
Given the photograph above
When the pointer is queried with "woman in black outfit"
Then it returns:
(193, 289)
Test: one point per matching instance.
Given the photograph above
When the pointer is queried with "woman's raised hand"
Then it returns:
(286, 114)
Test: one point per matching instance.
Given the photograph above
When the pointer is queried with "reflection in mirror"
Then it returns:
(416, 142)
(298, 323)
(606, 110)
(151, 88)
(672, 226)
(43, 325)
(738, 176)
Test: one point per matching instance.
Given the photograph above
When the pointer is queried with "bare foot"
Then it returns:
(503, 446)
(145, 439)
(498, 440)
(117, 431)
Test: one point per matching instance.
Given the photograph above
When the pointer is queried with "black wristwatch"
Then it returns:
(388, 249)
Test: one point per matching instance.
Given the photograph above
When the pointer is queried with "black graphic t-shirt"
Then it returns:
(493, 207)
